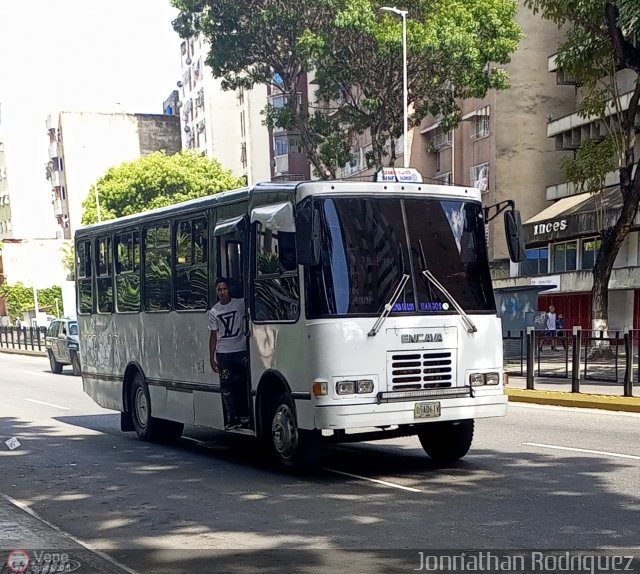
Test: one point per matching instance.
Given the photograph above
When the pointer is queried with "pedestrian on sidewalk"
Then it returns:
(550, 328)
(560, 333)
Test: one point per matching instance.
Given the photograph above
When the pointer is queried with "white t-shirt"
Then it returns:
(551, 321)
(228, 321)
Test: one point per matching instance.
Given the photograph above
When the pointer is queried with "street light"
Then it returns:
(405, 91)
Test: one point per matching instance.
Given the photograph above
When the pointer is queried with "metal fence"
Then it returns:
(575, 354)
(26, 338)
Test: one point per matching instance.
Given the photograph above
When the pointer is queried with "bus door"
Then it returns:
(275, 300)
(232, 263)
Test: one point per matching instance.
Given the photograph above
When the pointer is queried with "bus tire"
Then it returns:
(292, 448)
(55, 366)
(146, 426)
(75, 364)
(447, 442)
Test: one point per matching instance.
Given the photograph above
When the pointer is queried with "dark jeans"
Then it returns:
(232, 368)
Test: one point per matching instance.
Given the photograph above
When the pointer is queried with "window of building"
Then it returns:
(589, 252)
(191, 265)
(564, 256)
(104, 283)
(536, 263)
(277, 289)
(481, 123)
(479, 175)
(281, 145)
(157, 268)
(127, 271)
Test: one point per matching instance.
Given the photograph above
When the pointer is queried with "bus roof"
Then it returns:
(306, 188)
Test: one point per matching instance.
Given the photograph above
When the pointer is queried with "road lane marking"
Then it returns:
(48, 404)
(585, 450)
(89, 547)
(383, 482)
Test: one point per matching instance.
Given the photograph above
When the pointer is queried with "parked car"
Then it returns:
(63, 345)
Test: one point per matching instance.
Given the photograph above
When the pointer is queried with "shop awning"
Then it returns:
(579, 215)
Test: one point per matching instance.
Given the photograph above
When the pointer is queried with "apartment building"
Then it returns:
(84, 145)
(223, 125)
(6, 224)
(562, 239)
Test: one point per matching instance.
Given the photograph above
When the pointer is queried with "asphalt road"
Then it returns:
(540, 478)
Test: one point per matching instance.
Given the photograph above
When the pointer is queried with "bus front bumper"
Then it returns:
(332, 417)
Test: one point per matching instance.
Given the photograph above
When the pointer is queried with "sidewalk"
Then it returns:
(25, 536)
(557, 392)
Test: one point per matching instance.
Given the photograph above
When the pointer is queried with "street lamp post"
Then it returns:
(405, 91)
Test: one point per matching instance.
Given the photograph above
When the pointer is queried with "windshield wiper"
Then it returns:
(471, 328)
(389, 306)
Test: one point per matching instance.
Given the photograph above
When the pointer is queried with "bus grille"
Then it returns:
(415, 370)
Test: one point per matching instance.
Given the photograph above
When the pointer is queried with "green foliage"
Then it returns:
(455, 49)
(19, 299)
(156, 180)
(593, 160)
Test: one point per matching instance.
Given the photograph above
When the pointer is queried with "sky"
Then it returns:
(77, 55)
(88, 54)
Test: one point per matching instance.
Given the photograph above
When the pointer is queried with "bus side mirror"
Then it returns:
(308, 236)
(514, 235)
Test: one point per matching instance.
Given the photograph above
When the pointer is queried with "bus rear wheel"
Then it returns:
(293, 449)
(447, 442)
(147, 427)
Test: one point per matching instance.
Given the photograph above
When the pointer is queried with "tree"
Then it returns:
(356, 57)
(19, 299)
(454, 50)
(601, 42)
(156, 180)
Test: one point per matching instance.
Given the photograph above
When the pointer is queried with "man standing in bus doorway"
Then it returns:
(228, 352)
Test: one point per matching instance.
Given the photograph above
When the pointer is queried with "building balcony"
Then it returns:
(55, 150)
(59, 207)
(57, 179)
(282, 163)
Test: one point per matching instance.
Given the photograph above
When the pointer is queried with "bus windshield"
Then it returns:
(368, 244)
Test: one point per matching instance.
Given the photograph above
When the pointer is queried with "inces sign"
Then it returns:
(541, 228)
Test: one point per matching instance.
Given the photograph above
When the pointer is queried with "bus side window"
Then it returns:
(276, 284)
(84, 277)
(127, 264)
(104, 281)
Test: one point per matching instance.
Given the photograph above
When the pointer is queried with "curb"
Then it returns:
(585, 401)
(26, 352)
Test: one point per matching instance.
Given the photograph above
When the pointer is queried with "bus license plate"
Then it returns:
(426, 410)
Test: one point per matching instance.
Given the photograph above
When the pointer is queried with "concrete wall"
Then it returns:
(158, 132)
(620, 310)
(526, 159)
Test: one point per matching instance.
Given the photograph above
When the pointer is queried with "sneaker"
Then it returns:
(232, 426)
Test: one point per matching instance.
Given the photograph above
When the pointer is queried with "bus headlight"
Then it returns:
(479, 379)
(476, 379)
(352, 387)
(364, 386)
(346, 387)
(492, 378)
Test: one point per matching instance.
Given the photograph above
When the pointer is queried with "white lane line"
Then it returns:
(383, 482)
(48, 404)
(59, 530)
(585, 450)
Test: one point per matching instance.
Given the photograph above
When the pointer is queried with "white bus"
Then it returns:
(370, 314)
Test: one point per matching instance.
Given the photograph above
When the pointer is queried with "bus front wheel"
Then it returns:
(147, 427)
(294, 449)
(447, 442)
